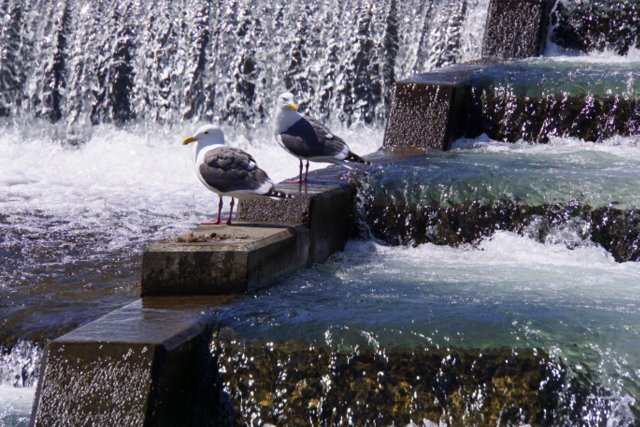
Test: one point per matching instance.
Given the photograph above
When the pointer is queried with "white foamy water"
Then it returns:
(124, 180)
(556, 53)
(15, 409)
(625, 148)
(18, 370)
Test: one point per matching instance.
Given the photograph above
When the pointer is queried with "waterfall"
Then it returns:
(167, 61)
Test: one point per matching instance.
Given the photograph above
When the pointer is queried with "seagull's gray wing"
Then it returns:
(308, 138)
(229, 169)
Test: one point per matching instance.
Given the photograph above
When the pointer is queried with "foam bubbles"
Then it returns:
(123, 180)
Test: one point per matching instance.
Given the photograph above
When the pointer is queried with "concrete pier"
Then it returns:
(144, 364)
(324, 208)
(516, 29)
(139, 365)
(219, 259)
(427, 109)
(270, 239)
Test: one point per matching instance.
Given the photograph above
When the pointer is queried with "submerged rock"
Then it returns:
(295, 383)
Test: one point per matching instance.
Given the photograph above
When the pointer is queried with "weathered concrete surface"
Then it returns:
(326, 210)
(515, 29)
(135, 366)
(427, 110)
(218, 259)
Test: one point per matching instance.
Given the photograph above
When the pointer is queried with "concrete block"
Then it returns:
(218, 259)
(515, 29)
(427, 110)
(135, 366)
(325, 209)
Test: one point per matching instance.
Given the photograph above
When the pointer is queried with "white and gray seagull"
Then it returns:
(228, 171)
(308, 139)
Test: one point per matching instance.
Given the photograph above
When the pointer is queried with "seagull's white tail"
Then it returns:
(353, 157)
(342, 163)
(276, 195)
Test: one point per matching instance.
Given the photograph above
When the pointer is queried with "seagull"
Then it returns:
(228, 171)
(308, 139)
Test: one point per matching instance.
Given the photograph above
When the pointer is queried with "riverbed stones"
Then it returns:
(294, 383)
(514, 117)
(399, 223)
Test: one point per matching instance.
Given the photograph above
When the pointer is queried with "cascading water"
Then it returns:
(536, 99)
(162, 61)
(94, 97)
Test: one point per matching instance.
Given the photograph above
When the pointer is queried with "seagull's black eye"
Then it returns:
(206, 132)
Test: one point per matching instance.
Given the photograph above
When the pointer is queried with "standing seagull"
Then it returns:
(228, 171)
(308, 139)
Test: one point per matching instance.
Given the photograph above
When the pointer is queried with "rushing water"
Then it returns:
(168, 61)
(74, 231)
(564, 295)
(510, 291)
(80, 198)
(74, 220)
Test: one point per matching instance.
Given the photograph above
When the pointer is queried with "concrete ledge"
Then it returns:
(217, 259)
(135, 366)
(326, 209)
(515, 29)
(427, 109)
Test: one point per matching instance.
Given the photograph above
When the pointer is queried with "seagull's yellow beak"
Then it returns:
(293, 106)
(189, 140)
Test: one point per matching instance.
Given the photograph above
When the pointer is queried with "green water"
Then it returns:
(548, 76)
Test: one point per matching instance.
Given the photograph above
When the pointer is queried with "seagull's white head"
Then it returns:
(286, 113)
(206, 135)
(286, 101)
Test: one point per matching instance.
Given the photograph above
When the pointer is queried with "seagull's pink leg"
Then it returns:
(300, 180)
(219, 210)
(306, 171)
(230, 211)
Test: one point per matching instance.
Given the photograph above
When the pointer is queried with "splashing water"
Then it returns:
(78, 201)
(97, 61)
(18, 374)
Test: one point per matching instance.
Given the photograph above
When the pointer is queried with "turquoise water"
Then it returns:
(482, 170)
(565, 296)
(605, 75)
(578, 305)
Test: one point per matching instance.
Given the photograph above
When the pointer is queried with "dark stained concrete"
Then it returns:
(325, 209)
(515, 29)
(427, 109)
(139, 365)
